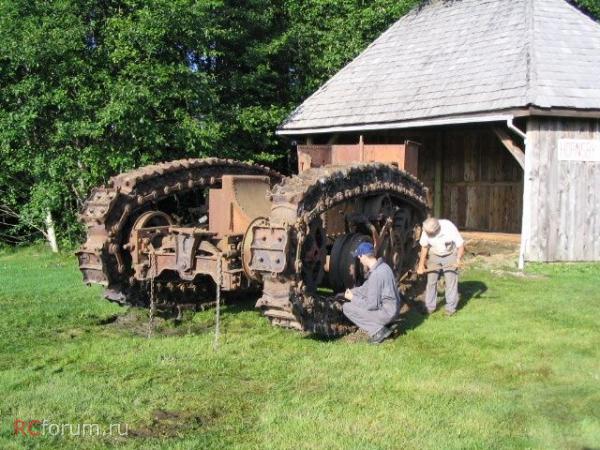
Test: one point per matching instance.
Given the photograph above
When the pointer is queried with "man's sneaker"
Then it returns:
(380, 336)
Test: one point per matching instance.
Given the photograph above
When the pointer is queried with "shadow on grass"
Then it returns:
(323, 338)
(416, 316)
(469, 290)
(412, 318)
(171, 321)
(239, 303)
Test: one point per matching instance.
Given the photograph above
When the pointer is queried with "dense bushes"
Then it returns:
(89, 89)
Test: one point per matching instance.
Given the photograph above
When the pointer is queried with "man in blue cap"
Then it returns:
(376, 303)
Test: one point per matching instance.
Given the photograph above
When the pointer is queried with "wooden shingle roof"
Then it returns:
(453, 58)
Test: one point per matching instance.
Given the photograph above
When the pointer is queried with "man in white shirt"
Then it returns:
(442, 248)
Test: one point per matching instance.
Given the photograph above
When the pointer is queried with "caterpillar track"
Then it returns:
(379, 195)
(111, 211)
(174, 230)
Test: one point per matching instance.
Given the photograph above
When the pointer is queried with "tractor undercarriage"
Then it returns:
(178, 228)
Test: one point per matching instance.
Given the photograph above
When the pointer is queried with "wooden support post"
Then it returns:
(528, 179)
(438, 186)
(361, 146)
(510, 145)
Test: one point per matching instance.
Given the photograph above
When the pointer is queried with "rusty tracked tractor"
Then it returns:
(172, 225)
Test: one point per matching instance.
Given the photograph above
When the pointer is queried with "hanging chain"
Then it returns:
(218, 299)
(152, 311)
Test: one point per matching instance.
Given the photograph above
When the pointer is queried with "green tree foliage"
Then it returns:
(590, 6)
(324, 35)
(92, 88)
(88, 89)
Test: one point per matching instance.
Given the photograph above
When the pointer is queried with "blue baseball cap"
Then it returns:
(364, 248)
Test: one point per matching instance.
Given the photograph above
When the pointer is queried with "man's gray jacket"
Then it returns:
(378, 289)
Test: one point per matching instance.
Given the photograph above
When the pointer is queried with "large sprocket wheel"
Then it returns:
(313, 255)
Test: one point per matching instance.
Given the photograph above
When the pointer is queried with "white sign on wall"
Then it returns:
(579, 150)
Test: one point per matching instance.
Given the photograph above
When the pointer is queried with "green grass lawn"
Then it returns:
(517, 367)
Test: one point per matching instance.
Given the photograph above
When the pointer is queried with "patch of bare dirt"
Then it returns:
(518, 274)
(166, 424)
(136, 321)
(491, 254)
(357, 336)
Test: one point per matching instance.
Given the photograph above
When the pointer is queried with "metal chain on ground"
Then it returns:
(152, 311)
(218, 300)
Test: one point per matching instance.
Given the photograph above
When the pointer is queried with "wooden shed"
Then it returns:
(504, 98)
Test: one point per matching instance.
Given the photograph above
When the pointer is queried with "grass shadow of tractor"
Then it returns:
(172, 322)
(413, 313)
(412, 316)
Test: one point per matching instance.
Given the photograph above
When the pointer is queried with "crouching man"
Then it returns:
(442, 248)
(377, 302)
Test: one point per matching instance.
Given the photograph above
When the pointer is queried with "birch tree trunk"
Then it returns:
(50, 233)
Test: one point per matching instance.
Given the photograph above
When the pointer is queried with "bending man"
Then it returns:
(377, 302)
(442, 247)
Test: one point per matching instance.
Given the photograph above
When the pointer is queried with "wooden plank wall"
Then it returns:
(482, 183)
(564, 200)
